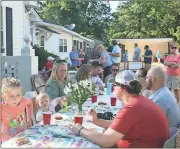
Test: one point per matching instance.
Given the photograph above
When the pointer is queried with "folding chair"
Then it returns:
(38, 83)
(171, 142)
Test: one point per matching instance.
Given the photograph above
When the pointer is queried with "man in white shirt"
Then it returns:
(96, 70)
(116, 53)
(137, 53)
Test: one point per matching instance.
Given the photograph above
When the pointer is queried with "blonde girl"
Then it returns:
(16, 110)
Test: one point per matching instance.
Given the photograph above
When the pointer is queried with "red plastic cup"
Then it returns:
(113, 101)
(78, 119)
(94, 98)
(47, 118)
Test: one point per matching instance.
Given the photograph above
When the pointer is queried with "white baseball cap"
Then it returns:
(50, 58)
(125, 77)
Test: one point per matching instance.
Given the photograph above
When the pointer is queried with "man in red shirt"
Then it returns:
(139, 124)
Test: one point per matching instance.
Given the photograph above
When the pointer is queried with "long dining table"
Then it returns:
(58, 134)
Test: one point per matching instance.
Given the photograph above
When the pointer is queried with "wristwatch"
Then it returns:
(80, 131)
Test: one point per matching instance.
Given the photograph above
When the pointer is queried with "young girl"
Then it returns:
(16, 110)
(125, 58)
(44, 104)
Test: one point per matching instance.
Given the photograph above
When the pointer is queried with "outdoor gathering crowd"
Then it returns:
(150, 99)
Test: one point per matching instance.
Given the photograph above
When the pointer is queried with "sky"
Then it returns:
(113, 5)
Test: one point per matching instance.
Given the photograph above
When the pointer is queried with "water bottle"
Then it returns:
(109, 88)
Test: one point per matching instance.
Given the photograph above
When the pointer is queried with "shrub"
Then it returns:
(42, 56)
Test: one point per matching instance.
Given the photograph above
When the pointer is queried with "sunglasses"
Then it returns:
(60, 61)
(116, 84)
(139, 76)
(115, 70)
(173, 47)
(102, 103)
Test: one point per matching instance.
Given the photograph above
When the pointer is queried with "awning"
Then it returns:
(145, 40)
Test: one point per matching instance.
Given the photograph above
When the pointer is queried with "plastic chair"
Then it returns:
(38, 83)
(171, 142)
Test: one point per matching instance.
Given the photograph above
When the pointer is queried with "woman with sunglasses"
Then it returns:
(139, 124)
(172, 62)
(111, 78)
(141, 74)
(57, 81)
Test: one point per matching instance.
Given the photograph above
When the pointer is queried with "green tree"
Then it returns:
(146, 19)
(91, 17)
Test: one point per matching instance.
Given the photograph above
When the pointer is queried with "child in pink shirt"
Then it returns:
(16, 110)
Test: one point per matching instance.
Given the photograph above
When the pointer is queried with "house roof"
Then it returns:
(48, 29)
(58, 27)
(149, 40)
(49, 21)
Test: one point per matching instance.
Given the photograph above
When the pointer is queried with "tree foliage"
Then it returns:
(146, 19)
(92, 18)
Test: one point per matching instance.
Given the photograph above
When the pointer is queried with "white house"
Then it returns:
(19, 18)
(58, 40)
(16, 21)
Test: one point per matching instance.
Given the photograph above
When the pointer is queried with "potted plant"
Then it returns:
(79, 92)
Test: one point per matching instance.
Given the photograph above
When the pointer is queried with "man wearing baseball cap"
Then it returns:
(49, 64)
(139, 124)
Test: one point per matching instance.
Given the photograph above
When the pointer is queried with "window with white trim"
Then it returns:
(63, 45)
(42, 42)
(75, 43)
(80, 45)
